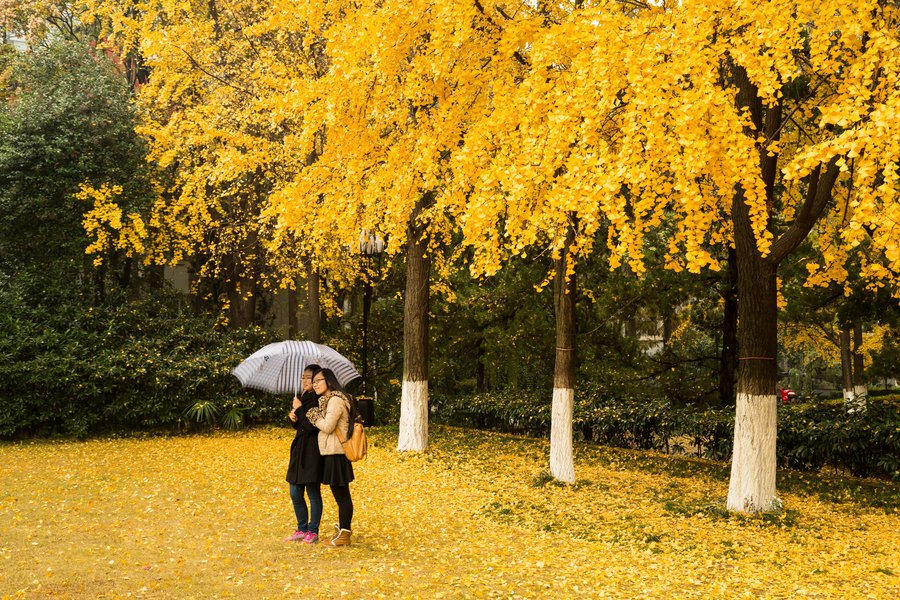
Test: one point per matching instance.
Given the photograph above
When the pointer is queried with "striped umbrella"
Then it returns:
(278, 367)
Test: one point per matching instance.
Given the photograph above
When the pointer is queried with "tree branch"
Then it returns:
(817, 197)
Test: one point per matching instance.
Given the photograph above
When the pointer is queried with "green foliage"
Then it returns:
(496, 334)
(203, 411)
(234, 418)
(810, 436)
(886, 362)
(130, 365)
(68, 119)
(508, 411)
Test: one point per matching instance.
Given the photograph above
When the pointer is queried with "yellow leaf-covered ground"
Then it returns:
(203, 516)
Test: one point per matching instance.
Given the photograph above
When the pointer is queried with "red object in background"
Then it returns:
(787, 395)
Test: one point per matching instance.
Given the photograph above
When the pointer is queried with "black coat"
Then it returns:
(306, 462)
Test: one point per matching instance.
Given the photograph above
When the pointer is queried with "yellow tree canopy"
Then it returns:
(628, 115)
(213, 136)
(342, 115)
(618, 116)
(822, 341)
(404, 82)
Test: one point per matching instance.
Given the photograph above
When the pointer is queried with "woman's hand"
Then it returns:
(293, 415)
(295, 404)
(314, 414)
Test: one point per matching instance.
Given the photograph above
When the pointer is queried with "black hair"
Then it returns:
(330, 380)
(334, 386)
(313, 368)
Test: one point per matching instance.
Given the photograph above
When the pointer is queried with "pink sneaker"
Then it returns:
(311, 538)
(296, 536)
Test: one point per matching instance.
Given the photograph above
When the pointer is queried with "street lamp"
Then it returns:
(370, 244)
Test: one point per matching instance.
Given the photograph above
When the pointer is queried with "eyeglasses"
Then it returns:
(322, 380)
(306, 377)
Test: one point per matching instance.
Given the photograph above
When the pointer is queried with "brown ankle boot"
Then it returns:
(342, 539)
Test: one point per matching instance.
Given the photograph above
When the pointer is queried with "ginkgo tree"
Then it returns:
(733, 125)
(544, 126)
(215, 143)
(403, 82)
(843, 324)
(511, 193)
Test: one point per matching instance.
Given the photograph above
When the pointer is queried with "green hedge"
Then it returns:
(133, 366)
(810, 436)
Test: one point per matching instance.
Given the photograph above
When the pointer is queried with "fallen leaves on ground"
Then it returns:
(473, 516)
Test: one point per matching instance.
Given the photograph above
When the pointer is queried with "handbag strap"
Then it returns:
(337, 430)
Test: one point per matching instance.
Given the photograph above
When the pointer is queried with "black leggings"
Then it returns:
(341, 495)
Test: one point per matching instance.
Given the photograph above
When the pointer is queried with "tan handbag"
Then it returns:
(357, 446)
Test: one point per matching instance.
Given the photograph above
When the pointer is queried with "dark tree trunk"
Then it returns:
(99, 277)
(241, 302)
(728, 363)
(367, 305)
(860, 386)
(414, 400)
(564, 290)
(752, 482)
(292, 312)
(480, 386)
(562, 465)
(846, 364)
(415, 308)
(314, 333)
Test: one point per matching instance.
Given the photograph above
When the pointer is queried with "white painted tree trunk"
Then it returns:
(562, 462)
(860, 388)
(413, 416)
(752, 483)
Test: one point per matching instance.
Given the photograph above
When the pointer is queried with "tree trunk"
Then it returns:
(314, 332)
(240, 286)
(860, 388)
(562, 464)
(752, 484)
(367, 305)
(751, 487)
(241, 302)
(98, 275)
(414, 396)
(846, 366)
(480, 384)
(292, 312)
(728, 363)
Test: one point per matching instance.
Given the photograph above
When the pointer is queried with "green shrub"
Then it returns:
(864, 444)
(810, 436)
(129, 366)
(523, 412)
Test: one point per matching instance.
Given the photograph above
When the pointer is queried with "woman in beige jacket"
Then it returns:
(332, 416)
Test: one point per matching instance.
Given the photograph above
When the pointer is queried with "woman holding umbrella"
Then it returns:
(305, 467)
(333, 415)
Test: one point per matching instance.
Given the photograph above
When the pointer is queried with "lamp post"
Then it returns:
(370, 244)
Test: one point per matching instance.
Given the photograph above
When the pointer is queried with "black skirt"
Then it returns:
(338, 470)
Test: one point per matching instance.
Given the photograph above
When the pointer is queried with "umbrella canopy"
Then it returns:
(278, 367)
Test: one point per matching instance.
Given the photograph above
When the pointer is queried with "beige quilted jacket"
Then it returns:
(333, 413)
